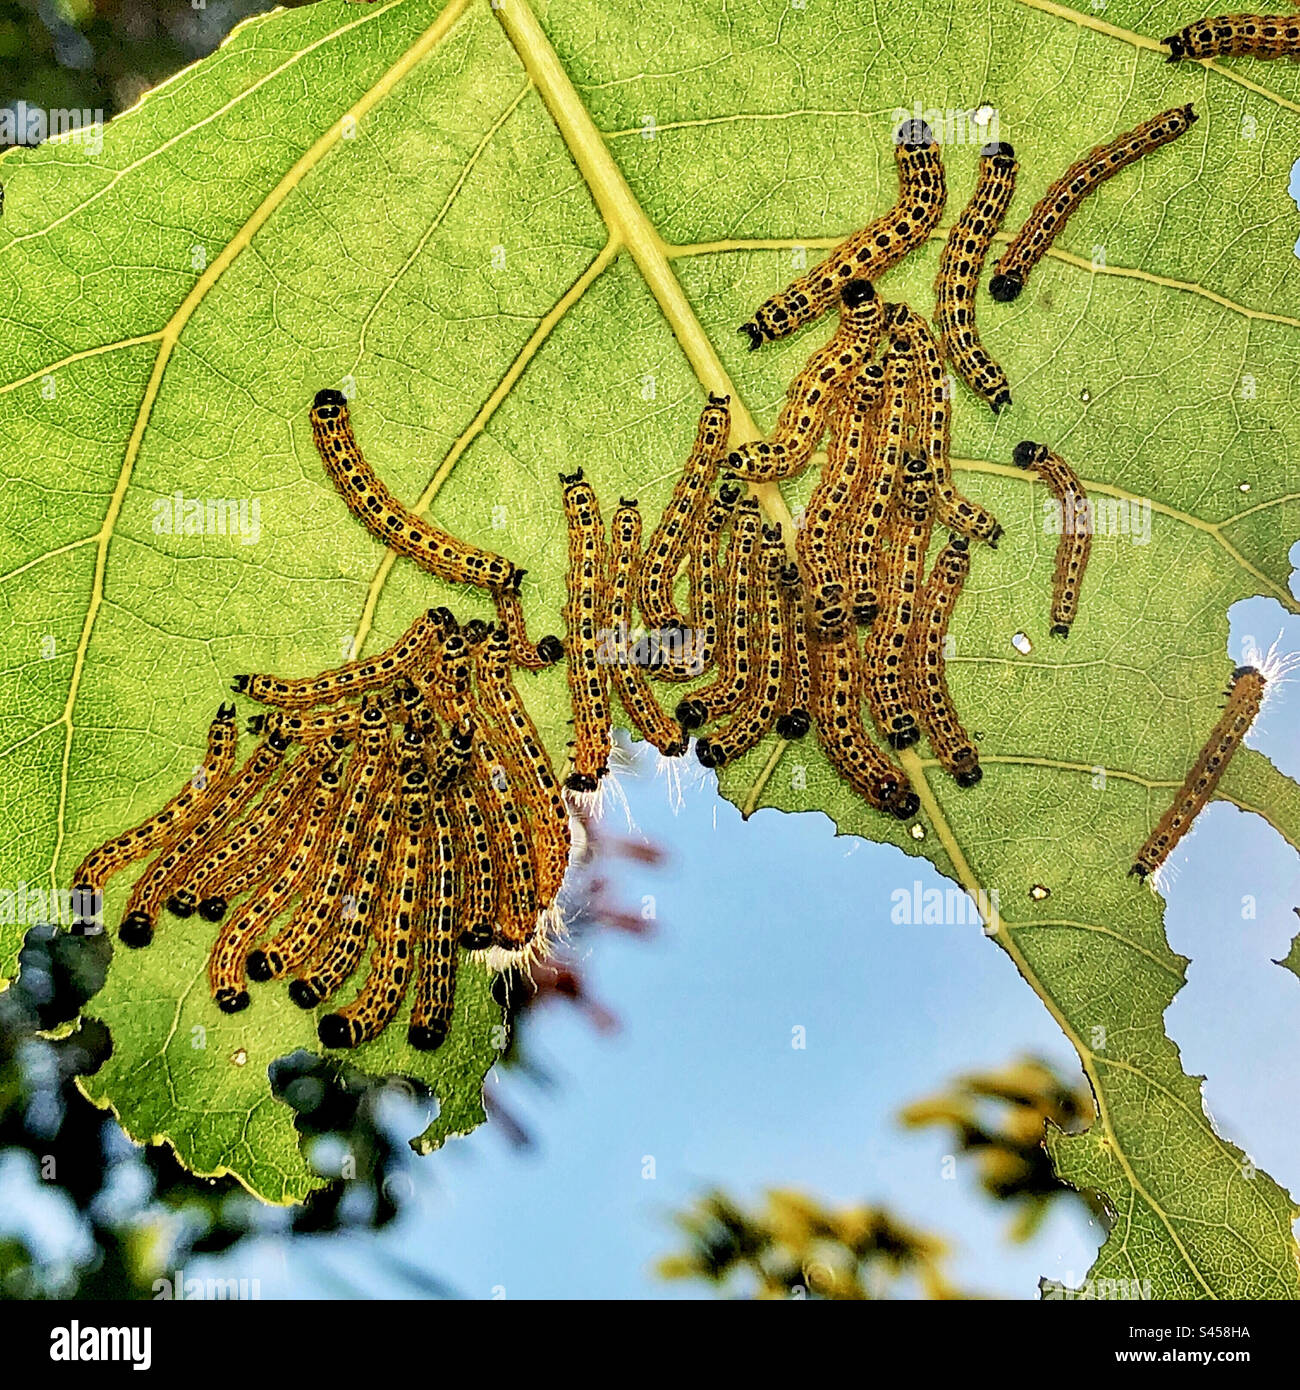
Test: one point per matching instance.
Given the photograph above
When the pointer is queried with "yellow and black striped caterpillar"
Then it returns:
(741, 587)
(868, 253)
(1237, 36)
(586, 616)
(1032, 242)
(631, 683)
(932, 396)
(814, 390)
(1245, 694)
(435, 975)
(821, 542)
(432, 548)
(681, 518)
(356, 678)
(889, 696)
(754, 717)
(1073, 548)
(960, 267)
(837, 715)
(888, 445)
(925, 664)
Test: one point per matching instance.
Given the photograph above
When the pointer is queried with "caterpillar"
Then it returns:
(323, 892)
(229, 960)
(433, 549)
(668, 542)
(172, 867)
(960, 265)
(586, 614)
(357, 677)
(952, 510)
(740, 588)
(522, 744)
(631, 684)
(335, 957)
(754, 717)
(883, 469)
(435, 976)
(1245, 694)
(396, 926)
(473, 851)
(702, 561)
(1030, 244)
(838, 495)
(924, 672)
(509, 835)
(1237, 36)
(165, 827)
(869, 253)
(532, 656)
(237, 859)
(889, 696)
(1075, 545)
(802, 421)
(440, 674)
(794, 721)
(449, 762)
(837, 714)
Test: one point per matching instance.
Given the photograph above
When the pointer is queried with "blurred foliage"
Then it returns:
(143, 1215)
(794, 1247)
(999, 1119)
(102, 55)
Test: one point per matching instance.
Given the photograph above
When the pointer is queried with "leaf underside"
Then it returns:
(531, 245)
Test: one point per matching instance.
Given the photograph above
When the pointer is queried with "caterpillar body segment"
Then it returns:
(1237, 36)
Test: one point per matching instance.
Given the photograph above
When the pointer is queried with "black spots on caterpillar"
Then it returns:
(1237, 36)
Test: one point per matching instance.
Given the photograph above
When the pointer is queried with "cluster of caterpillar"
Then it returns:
(396, 810)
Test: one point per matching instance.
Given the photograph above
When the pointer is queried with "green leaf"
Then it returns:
(531, 247)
